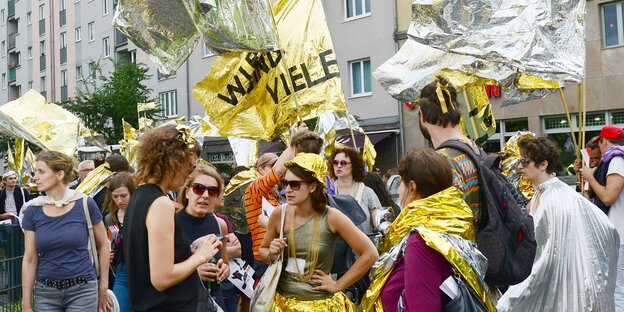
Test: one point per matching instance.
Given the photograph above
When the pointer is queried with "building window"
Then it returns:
(78, 34)
(92, 70)
(63, 78)
(42, 47)
(357, 8)
(160, 76)
(42, 84)
(4, 82)
(207, 51)
(62, 5)
(3, 48)
(133, 56)
(617, 118)
(29, 18)
(612, 28)
(63, 40)
(106, 47)
(42, 12)
(504, 130)
(91, 31)
(104, 7)
(169, 103)
(2, 17)
(79, 72)
(30, 53)
(360, 77)
(29, 85)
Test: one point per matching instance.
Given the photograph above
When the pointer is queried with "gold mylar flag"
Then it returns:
(477, 119)
(258, 95)
(19, 153)
(10, 158)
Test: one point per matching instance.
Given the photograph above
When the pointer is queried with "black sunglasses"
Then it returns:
(294, 184)
(199, 189)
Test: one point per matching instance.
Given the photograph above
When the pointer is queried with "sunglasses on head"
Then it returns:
(199, 189)
(294, 184)
(525, 161)
(341, 162)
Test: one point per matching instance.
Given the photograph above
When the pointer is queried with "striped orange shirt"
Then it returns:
(261, 187)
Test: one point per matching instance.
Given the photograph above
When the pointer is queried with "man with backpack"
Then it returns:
(607, 183)
(505, 231)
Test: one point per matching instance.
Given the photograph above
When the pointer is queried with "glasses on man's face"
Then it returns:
(87, 170)
(199, 189)
(342, 163)
(295, 185)
(525, 161)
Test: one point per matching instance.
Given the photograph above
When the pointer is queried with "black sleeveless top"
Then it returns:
(143, 295)
(194, 228)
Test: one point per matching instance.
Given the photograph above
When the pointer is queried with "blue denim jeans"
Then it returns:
(121, 288)
(77, 298)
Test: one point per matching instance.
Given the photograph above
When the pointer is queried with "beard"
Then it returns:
(424, 131)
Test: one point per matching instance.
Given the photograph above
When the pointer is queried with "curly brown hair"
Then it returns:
(430, 104)
(429, 170)
(540, 149)
(357, 163)
(199, 170)
(58, 161)
(162, 150)
(307, 142)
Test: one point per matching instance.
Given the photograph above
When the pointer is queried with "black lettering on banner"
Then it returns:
(256, 60)
(294, 79)
(326, 63)
(274, 61)
(249, 78)
(273, 92)
(232, 91)
(285, 84)
(306, 75)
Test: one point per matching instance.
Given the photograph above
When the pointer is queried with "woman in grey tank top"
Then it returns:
(311, 228)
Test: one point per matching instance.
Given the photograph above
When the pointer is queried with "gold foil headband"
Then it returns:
(185, 136)
(440, 90)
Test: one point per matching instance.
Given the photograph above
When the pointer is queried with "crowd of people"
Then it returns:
(164, 244)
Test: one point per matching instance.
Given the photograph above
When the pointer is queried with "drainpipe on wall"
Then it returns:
(188, 92)
(52, 55)
(401, 148)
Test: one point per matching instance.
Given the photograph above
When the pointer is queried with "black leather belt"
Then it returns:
(63, 284)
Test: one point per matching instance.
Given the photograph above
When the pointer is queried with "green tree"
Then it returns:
(102, 102)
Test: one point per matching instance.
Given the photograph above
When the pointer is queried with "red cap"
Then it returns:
(611, 132)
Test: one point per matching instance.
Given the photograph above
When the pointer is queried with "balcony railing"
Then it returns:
(11, 8)
(63, 93)
(62, 18)
(42, 62)
(12, 74)
(63, 55)
(41, 27)
(120, 38)
(12, 41)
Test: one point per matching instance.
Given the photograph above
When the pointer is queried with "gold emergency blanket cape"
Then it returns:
(338, 302)
(491, 39)
(445, 223)
(577, 254)
(509, 163)
(258, 95)
(234, 206)
(45, 124)
(95, 180)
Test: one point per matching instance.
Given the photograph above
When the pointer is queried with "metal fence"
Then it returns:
(11, 254)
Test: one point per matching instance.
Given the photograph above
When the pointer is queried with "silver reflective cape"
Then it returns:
(577, 253)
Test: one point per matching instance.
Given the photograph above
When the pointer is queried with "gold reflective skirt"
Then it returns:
(338, 302)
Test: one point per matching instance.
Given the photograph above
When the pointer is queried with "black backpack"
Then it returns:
(507, 235)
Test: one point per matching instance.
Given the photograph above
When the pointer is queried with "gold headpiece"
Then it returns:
(313, 163)
(440, 90)
(184, 135)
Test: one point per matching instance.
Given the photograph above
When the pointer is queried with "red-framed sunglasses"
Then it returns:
(342, 163)
(199, 189)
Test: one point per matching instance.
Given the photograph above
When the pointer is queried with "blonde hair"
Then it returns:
(58, 161)
(199, 170)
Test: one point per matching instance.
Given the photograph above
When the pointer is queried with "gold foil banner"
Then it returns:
(19, 154)
(29, 161)
(526, 81)
(259, 95)
(142, 107)
(241, 179)
(369, 153)
(509, 163)
(10, 158)
(94, 179)
(45, 124)
(477, 120)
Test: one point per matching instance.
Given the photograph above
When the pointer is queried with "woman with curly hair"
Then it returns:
(119, 190)
(577, 246)
(57, 263)
(161, 265)
(348, 173)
